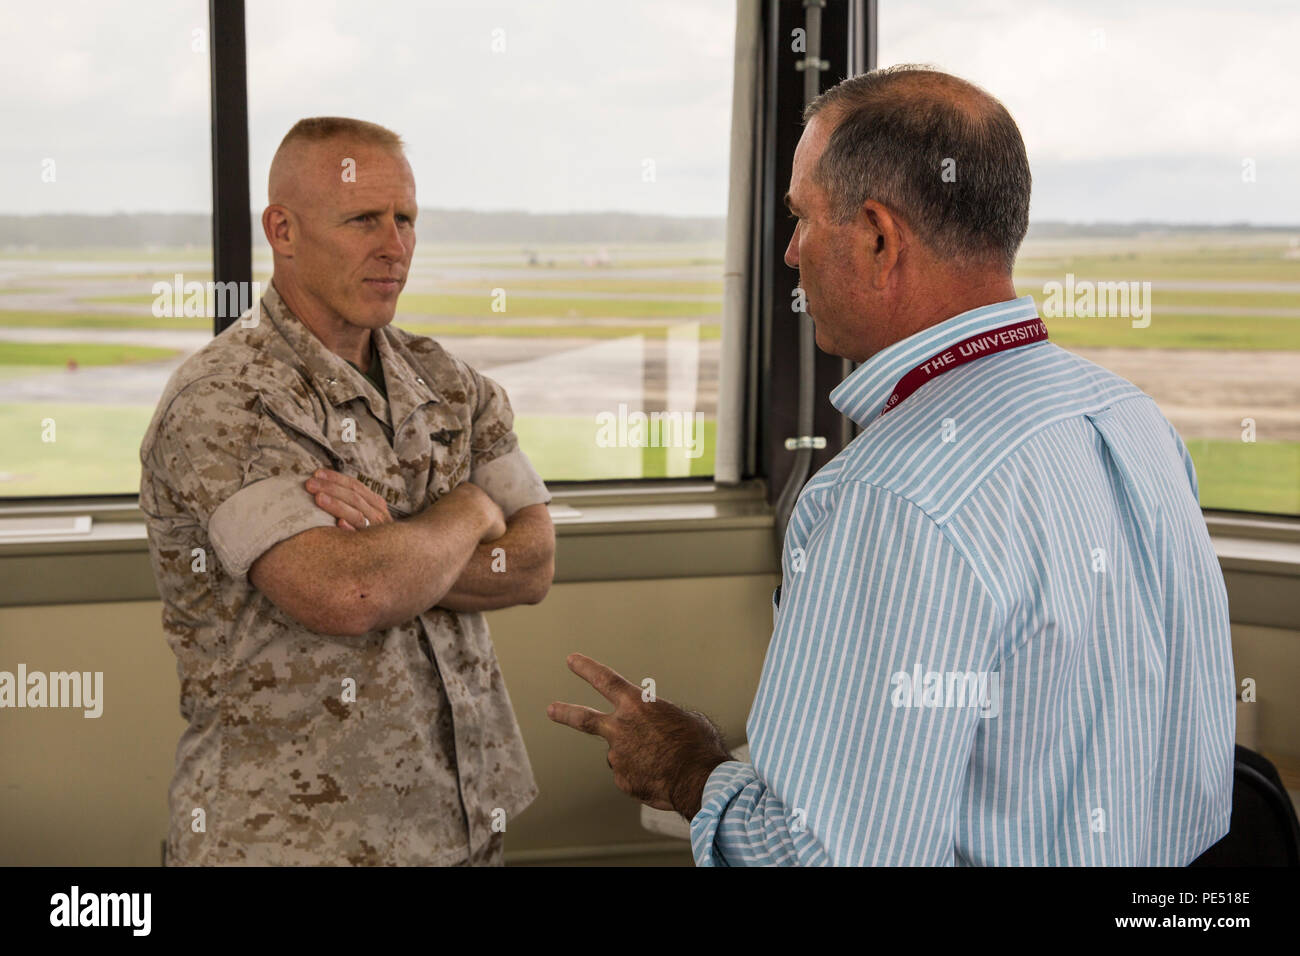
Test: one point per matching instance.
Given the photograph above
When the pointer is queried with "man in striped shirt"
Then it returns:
(1002, 636)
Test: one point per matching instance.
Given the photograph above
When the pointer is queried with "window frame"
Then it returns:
(661, 517)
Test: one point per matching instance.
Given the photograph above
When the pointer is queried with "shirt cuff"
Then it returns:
(259, 516)
(511, 481)
(720, 790)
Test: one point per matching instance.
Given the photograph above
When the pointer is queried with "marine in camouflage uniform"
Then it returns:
(285, 766)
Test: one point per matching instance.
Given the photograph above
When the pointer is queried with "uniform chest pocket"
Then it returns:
(418, 471)
(437, 454)
(449, 461)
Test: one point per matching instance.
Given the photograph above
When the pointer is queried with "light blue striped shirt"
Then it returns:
(1002, 635)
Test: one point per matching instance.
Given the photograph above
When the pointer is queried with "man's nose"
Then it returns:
(394, 246)
(792, 250)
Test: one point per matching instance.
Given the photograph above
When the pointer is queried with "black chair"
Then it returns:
(1264, 829)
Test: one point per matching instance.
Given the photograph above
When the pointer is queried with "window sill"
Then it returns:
(604, 533)
(1260, 557)
(624, 532)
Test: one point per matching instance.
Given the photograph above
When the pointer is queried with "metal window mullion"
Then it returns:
(232, 234)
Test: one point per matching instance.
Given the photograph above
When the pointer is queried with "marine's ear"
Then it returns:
(281, 229)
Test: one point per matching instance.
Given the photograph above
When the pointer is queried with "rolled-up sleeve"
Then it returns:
(499, 466)
(261, 515)
(237, 471)
(740, 813)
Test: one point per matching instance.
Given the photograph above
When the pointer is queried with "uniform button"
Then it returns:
(420, 380)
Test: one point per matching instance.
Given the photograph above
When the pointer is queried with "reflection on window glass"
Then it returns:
(571, 164)
(104, 192)
(1164, 238)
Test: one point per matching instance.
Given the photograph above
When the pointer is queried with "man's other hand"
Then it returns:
(348, 500)
(354, 506)
(472, 496)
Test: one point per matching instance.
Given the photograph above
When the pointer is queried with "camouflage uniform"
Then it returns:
(286, 770)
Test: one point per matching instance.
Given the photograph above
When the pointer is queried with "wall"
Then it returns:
(78, 791)
(75, 791)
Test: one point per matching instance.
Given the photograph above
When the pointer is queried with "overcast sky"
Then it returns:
(1129, 111)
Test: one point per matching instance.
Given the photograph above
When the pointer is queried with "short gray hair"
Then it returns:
(318, 129)
(898, 131)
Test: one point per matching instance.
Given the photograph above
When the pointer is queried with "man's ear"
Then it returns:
(278, 225)
(885, 236)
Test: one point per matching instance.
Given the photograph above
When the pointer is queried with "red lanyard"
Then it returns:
(967, 350)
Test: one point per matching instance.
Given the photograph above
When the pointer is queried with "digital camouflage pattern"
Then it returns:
(285, 768)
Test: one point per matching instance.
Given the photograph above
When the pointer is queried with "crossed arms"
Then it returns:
(344, 581)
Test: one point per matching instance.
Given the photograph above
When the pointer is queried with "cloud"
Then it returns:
(1149, 118)
(1115, 81)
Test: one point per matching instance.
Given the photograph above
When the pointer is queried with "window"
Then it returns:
(106, 191)
(1163, 139)
(571, 165)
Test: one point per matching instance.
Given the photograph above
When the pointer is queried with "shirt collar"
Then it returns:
(374, 354)
(862, 395)
(338, 380)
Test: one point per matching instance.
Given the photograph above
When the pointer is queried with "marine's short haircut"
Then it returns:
(317, 129)
(934, 149)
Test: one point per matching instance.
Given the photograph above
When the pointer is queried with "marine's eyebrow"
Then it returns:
(353, 213)
(790, 204)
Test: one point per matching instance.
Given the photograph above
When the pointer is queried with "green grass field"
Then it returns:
(88, 254)
(1184, 298)
(1251, 333)
(1212, 259)
(83, 353)
(516, 306)
(564, 448)
(96, 450)
(577, 262)
(451, 330)
(1248, 476)
(639, 286)
(91, 319)
(97, 444)
(1172, 332)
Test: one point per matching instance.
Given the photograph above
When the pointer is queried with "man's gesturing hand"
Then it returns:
(660, 754)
